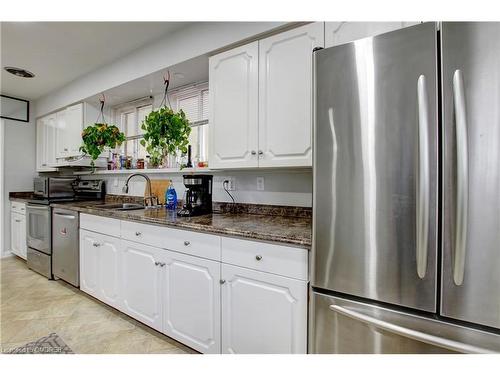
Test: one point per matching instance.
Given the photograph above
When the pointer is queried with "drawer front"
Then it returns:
(18, 207)
(277, 259)
(187, 242)
(99, 224)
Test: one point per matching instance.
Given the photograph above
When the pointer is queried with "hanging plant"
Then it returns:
(165, 132)
(98, 136)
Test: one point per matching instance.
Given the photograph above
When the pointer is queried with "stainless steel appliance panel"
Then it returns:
(38, 227)
(375, 168)
(343, 326)
(65, 245)
(39, 262)
(471, 172)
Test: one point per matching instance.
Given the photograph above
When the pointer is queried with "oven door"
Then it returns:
(38, 227)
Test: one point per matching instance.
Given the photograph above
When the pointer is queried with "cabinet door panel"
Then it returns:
(109, 270)
(233, 105)
(89, 276)
(50, 140)
(285, 96)
(15, 234)
(262, 313)
(141, 283)
(192, 302)
(22, 236)
(61, 134)
(74, 127)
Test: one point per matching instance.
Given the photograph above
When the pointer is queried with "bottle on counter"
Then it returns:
(171, 197)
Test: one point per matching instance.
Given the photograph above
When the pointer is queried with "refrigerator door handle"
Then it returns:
(409, 332)
(462, 178)
(423, 175)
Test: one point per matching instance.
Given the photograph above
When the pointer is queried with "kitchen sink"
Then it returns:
(121, 206)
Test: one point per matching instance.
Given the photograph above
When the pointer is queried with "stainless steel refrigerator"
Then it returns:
(406, 228)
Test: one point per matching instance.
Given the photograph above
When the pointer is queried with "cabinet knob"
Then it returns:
(187, 243)
(261, 152)
(258, 257)
(254, 152)
(222, 281)
(65, 149)
(96, 244)
(157, 263)
(162, 264)
(138, 234)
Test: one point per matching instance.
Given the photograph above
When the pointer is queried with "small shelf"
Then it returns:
(146, 171)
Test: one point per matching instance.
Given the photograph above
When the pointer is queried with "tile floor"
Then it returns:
(33, 307)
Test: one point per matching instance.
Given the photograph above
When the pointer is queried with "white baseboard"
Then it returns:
(7, 254)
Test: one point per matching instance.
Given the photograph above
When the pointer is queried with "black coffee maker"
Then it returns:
(198, 195)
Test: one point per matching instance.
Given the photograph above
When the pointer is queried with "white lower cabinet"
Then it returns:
(18, 234)
(100, 266)
(262, 313)
(191, 292)
(142, 280)
(237, 301)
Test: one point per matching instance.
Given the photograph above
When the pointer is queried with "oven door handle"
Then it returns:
(37, 207)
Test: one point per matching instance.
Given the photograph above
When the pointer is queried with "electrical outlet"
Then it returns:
(231, 185)
(260, 183)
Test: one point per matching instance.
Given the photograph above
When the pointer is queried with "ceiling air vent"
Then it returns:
(19, 72)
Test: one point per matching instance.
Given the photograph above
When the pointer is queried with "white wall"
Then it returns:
(194, 40)
(289, 188)
(19, 147)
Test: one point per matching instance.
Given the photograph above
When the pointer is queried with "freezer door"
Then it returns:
(342, 326)
(471, 173)
(375, 168)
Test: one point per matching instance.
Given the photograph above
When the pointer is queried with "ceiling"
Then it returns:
(59, 52)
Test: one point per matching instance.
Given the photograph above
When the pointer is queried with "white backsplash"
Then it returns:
(288, 188)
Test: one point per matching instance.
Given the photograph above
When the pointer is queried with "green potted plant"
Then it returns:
(165, 133)
(98, 136)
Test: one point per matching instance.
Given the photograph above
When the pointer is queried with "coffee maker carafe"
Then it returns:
(198, 195)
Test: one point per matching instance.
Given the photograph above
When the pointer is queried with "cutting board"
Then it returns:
(158, 188)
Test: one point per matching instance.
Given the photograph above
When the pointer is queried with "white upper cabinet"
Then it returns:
(285, 96)
(344, 32)
(233, 113)
(45, 143)
(69, 129)
(261, 101)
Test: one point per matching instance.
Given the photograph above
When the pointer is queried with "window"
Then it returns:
(192, 100)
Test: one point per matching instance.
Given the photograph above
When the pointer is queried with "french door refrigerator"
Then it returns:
(406, 226)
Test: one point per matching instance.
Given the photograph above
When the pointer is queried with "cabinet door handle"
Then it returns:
(261, 152)
(162, 264)
(253, 152)
(157, 263)
(187, 243)
(18, 221)
(222, 281)
(138, 234)
(258, 257)
(95, 244)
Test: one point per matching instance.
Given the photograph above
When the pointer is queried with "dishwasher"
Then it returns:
(66, 245)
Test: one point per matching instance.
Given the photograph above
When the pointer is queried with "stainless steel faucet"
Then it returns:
(153, 200)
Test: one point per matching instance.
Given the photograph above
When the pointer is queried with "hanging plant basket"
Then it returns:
(99, 136)
(166, 132)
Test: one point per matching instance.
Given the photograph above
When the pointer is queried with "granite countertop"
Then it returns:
(22, 196)
(275, 228)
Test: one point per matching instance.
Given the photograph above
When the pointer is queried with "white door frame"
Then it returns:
(3, 249)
